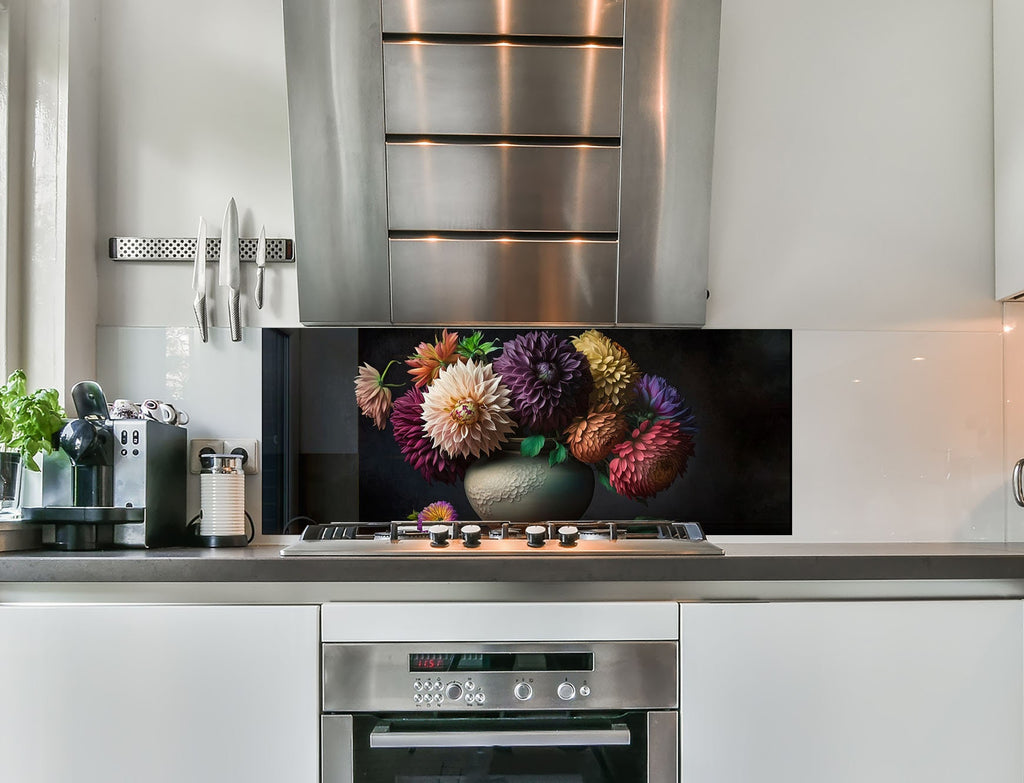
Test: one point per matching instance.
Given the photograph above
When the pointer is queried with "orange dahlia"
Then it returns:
(429, 360)
(590, 438)
(650, 459)
(614, 372)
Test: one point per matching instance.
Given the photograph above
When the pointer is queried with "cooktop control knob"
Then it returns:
(522, 691)
(471, 535)
(535, 535)
(453, 692)
(568, 535)
(438, 535)
(566, 691)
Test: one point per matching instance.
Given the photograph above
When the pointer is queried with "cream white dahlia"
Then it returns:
(466, 410)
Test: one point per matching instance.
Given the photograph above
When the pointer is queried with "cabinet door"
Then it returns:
(907, 692)
(161, 694)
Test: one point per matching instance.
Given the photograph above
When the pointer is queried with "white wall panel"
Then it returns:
(853, 166)
(193, 111)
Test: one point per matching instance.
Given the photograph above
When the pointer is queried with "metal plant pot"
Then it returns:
(507, 485)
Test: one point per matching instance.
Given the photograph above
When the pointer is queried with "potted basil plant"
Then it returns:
(28, 423)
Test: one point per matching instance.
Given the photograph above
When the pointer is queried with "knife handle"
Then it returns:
(199, 306)
(258, 294)
(234, 317)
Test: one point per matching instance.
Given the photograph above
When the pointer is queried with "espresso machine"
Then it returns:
(112, 483)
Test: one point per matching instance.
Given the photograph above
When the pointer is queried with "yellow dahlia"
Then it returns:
(614, 372)
(590, 438)
(466, 410)
(429, 359)
(372, 396)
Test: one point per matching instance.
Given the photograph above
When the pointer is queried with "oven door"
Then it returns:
(631, 747)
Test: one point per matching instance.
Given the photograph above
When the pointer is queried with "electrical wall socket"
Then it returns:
(196, 446)
(251, 447)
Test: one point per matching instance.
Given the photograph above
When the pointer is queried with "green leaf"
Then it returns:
(604, 481)
(558, 454)
(28, 422)
(474, 347)
(532, 445)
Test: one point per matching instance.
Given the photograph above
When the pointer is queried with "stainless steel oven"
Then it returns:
(517, 712)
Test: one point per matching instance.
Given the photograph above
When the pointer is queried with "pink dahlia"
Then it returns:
(372, 396)
(438, 511)
(466, 410)
(417, 450)
(649, 460)
(549, 379)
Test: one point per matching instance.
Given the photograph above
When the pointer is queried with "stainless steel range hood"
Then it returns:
(502, 161)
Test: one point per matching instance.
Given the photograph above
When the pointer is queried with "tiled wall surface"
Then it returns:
(852, 203)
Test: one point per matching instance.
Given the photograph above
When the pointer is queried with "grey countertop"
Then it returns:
(741, 563)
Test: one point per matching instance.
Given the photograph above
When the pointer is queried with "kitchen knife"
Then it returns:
(261, 262)
(229, 274)
(199, 281)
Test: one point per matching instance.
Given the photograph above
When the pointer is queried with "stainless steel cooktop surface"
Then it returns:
(657, 538)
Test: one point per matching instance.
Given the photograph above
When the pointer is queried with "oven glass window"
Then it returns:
(481, 758)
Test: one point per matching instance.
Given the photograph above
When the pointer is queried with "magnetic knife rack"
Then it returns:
(279, 251)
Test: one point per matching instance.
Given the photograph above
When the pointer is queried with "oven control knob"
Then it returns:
(453, 692)
(568, 535)
(584, 690)
(471, 535)
(535, 535)
(438, 535)
(566, 691)
(522, 691)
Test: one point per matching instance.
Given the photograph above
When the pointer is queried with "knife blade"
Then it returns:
(229, 273)
(199, 282)
(261, 262)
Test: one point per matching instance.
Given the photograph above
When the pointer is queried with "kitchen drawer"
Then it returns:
(601, 18)
(502, 89)
(502, 187)
(503, 281)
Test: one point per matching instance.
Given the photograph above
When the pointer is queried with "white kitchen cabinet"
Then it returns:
(1008, 134)
(850, 692)
(160, 694)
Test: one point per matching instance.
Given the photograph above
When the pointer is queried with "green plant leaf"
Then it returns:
(28, 422)
(558, 454)
(604, 481)
(532, 445)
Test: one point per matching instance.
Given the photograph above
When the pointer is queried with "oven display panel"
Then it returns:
(501, 662)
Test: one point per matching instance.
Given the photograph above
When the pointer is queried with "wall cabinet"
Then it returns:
(162, 694)
(1008, 151)
(915, 692)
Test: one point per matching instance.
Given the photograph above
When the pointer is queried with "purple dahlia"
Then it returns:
(656, 400)
(417, 449)
(549, 379)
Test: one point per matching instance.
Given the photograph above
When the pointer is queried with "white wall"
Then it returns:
(852, 203)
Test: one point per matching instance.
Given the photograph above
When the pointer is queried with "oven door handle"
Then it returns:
(383, 737)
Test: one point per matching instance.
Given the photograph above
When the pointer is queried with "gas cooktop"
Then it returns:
(496, 537)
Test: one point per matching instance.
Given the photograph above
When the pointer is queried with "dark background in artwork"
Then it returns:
(738, 383)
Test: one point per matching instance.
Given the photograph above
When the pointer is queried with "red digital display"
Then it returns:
(430, 662)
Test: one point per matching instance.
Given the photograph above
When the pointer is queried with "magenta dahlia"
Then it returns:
(417, 448)
(549, 379)
(649, 460)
